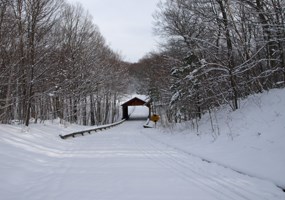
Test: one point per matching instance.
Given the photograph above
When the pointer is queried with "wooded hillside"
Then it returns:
(54, 63)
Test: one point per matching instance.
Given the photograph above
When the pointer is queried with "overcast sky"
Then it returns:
(125, 24)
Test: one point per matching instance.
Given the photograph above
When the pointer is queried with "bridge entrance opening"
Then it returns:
(134, 102)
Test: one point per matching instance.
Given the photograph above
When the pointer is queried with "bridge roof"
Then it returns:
(136, 102)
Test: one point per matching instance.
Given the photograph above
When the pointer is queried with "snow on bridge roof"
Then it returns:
(135, 101)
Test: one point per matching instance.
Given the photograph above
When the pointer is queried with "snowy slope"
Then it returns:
(130, 162)
(250, 140)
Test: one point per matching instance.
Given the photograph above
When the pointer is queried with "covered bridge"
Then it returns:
(134, 102)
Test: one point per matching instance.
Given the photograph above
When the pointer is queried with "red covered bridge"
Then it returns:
(134, 102)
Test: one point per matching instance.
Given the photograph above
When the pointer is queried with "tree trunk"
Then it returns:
(92, 114)
(229, 53)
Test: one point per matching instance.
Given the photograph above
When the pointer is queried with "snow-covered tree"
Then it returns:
(239, 44)
(55, 64)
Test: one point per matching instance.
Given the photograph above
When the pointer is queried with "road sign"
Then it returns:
(154, 118)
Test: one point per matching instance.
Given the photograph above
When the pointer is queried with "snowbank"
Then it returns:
(250, 140)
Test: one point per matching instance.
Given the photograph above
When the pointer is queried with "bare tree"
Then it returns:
(238, 46)
(55, 64)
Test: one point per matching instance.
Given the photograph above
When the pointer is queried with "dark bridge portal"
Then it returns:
(134, 102)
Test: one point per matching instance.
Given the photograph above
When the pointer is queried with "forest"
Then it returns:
(55, 63)
(213, 53)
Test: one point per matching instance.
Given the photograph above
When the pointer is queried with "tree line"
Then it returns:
(54, 63)
(214, 52)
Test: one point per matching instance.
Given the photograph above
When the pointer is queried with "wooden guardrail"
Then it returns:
(95, 129)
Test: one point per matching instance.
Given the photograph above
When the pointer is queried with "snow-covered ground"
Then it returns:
(250, 140)
(130, 162)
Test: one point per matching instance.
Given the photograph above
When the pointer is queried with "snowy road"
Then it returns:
(123, 163)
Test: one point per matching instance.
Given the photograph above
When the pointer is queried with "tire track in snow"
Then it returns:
(182, 165)
(156, 156)
(209, 180)
(213, 162)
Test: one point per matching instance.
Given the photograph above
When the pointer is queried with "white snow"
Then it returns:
(250, 140)
(130, 162)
